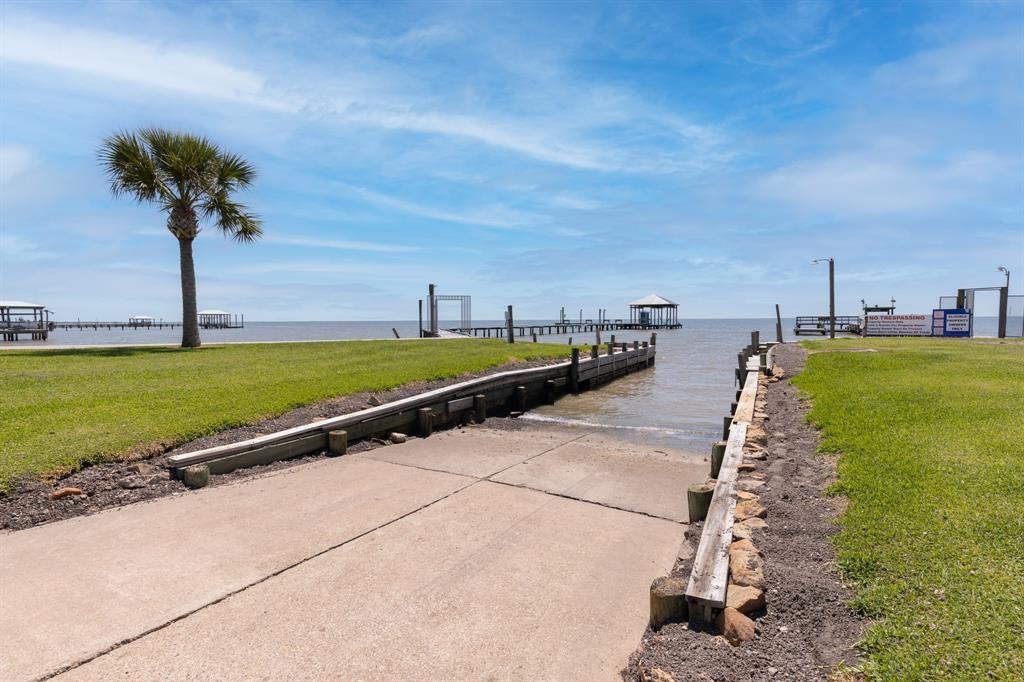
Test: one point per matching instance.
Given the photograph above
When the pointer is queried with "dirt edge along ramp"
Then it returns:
(806, 631)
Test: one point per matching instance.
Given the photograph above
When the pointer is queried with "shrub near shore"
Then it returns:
(931, 436)
(66, 408)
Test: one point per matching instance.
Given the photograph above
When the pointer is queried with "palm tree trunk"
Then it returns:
(189, 320)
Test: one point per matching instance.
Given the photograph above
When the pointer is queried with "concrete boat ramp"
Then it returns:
(474, 554)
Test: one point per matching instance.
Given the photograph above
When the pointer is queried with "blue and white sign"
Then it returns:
(951, 322)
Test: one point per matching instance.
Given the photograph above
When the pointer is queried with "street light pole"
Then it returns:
(832, 298)
(831, 295)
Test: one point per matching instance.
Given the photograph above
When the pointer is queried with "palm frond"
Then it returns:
(232, 218)
(234, 172)
(130, 168)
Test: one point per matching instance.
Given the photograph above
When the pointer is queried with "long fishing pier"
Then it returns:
(79, 324)
(558, 328)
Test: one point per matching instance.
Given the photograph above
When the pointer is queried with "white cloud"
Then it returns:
(491, 216)
(560, 131)
(143, 62)
(488, 131)
(992, 61)
(318, 243)
(573, 202)
(321, 267)
(876, 183)
(15, 160)
(15, 248)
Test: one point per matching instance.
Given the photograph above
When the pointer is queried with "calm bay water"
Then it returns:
(679, 403)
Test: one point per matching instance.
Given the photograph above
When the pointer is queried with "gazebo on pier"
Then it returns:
(654, 311)
(220, 319)
(21, 317)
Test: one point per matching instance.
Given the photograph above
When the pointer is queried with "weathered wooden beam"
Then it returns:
(400, 413)
(709, 576)
(271, 453)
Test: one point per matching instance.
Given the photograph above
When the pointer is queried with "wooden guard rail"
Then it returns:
(513, 390)
(709, 578)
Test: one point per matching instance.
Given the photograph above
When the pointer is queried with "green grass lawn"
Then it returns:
(65, 408)
(931, 436)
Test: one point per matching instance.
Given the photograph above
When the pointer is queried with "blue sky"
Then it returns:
(539, 154)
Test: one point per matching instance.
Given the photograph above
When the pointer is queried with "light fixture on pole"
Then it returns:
(831, 295)
(1003, 269)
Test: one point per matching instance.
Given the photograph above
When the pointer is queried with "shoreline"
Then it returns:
(806, 631)
(8, 347)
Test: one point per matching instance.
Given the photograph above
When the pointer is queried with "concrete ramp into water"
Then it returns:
(478, 553)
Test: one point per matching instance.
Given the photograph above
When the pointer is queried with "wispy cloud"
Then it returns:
(498, 216)
(107, 55)
(319, 243)
(15, 160)
(15, 248)
(878, 183)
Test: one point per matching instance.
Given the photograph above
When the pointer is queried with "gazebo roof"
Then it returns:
(653, 300)
(213, 312)
(19, 304)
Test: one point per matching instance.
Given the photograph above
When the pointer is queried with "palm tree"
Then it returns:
(191, 179)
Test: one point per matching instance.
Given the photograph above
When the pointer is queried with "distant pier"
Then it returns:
(651, 312)
(79, 324)
(560, 328)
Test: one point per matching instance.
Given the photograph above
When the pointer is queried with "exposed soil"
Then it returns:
(30, 502)
(806, 632)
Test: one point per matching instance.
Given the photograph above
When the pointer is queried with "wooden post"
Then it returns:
(574, 371)
(668, 601)
(508, 325)
(636, 345)
(549, 392)
(698, 499)
(755, 342)
(425, 421)
(611, 348)
(395, 332)
(732, 407)
(726, 425)
(480, 408)
(197, 476)
(521, 398)
(778, 324)
(717, 455)
(421, 319)
(597, 335)
(337, 442)
(741, 361)
(763, 363)
(432, 311)
(613, 339)
(654, 338)
(594, 352)
(535, 337)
